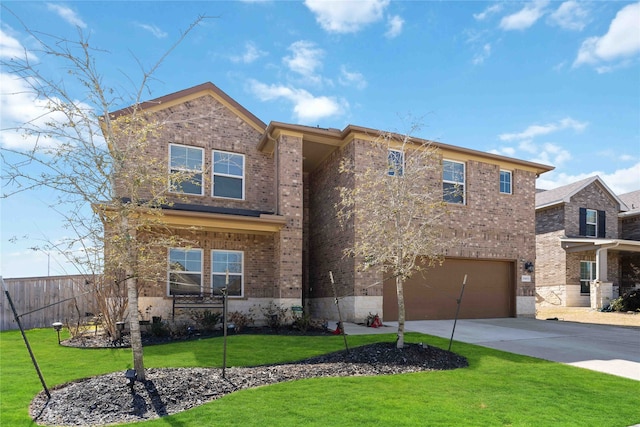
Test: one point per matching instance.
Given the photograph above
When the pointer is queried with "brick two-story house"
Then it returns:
(263, 202)
(588, 239)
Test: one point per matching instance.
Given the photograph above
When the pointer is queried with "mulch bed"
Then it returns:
(108, 399)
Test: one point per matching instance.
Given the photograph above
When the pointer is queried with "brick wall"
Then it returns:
(204, 122)
(490, 226)
(288, 249)
(327, 239)
(591, 197)
(630, 228)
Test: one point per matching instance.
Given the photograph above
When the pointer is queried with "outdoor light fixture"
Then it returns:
(528, 266)
(130, 374)
(57, 326)
(120, 327)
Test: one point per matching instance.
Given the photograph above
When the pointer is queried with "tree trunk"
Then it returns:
(134, 327)
(400, 294)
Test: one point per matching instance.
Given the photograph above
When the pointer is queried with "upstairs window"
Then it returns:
(185, 271)
(185, 169)
(453, 182)
(505, 182)
(395, 162)
(228, 175)
(223, 264)
(592, 223)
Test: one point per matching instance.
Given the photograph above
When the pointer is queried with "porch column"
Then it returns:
(601, 264)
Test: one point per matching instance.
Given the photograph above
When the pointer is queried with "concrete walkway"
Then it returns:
(611, 349)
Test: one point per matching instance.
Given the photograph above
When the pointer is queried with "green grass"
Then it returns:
(496, 389)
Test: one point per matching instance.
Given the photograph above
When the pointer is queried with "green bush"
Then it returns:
(629, 301)
(207, 320)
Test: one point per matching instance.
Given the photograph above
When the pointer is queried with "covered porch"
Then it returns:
(602, 288)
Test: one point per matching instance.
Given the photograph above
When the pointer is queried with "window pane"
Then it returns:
(224, 186)
(193, 185)
(178, 156)
(505, 182)
(235, 285)
(592, 216)
(184, 284)
(228, 163)
(453, 193)
(453, 171)
(186, 158)
(395, 161)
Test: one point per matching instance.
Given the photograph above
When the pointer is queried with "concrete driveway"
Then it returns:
(611, 349)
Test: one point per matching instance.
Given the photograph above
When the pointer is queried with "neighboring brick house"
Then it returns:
(587, 240)
(265, 211)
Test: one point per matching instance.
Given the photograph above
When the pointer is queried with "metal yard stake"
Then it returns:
(459, 300)
(224, 324)
(340, 324)
(24, 337)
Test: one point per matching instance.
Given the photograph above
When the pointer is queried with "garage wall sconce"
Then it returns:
(528, 267)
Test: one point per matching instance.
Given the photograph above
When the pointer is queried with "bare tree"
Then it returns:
(109, 192)
(397, 208)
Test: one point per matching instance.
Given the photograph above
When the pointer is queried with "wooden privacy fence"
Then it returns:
(47, 299)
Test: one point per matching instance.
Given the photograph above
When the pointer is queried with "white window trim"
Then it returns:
(201, 171)
(213, 174)
(464, 182)
(401, 157)
(593, 268)
(510, 181)
(230, 274)
(587, 224)
(169, 270)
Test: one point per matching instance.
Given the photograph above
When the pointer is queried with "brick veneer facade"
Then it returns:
(557, 269)
(290, 264)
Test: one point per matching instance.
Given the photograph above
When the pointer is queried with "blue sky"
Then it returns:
(556, 82)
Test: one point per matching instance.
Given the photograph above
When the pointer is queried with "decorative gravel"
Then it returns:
(108, 399)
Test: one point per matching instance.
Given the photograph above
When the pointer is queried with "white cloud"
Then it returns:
(619, 181)
(394, 26)
(526, 17)
(480, 57)
(349, 78)
(20, 106)
(491, 10)
(153, 29)
(571, 15)
(621, 41)
(251, 54)
(346, 16)
(306, 59)
(551, 154)
(67, 14)
(535, 130)
(306, 107)
(11, 48)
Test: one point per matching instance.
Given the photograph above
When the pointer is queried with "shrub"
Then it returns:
(240, 320)
(302, 321)
(207, 320)
(275, 315)
(160, 329)
(629, 301)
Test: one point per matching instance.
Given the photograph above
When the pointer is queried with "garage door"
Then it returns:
(432, 294)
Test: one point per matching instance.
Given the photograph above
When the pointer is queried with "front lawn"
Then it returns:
(497, 389)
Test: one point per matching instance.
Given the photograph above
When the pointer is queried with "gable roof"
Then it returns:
(632, 200)
(203, 89)
(563, 194)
